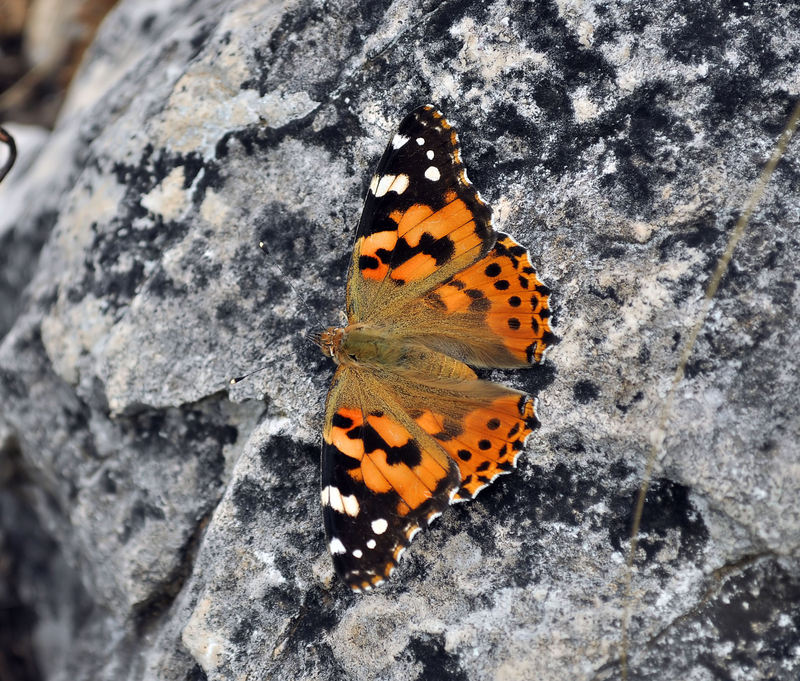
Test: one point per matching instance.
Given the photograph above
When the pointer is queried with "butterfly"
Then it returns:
(432, 292)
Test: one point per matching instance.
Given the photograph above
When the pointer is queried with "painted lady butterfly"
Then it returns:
(432, 288)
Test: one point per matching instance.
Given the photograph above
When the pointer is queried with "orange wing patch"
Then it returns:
(504, 287)
(488, 441)
(423, 241)
(390, 458)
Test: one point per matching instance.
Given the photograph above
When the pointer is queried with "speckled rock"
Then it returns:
(617, 141)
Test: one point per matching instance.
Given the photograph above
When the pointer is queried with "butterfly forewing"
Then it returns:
(382, 479)
(422, 219)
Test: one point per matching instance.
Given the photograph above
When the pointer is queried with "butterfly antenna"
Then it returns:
(311, 336)
(236, 379)
(303, 302)
(8, 140)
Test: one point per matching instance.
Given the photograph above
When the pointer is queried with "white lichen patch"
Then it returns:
(215, 209)
(205, 645)
(203, 106)
(168, 199)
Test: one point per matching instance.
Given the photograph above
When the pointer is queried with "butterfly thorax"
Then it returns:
(356, 344)
(365, 345)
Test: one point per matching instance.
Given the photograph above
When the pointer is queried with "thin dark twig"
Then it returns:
(8, 140)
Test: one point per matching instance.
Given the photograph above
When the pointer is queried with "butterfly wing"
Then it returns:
(382, 479)
(428, 264)
(493, 314)
(422, 220)
(399, 446)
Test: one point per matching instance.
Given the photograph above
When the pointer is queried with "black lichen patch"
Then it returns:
(160, 284)
(435, 662)
(534, 380)
(260, 137)
(229, 309)
(698, 366)
(265, 274)
(310, 616)
(116, 263)
(700, 33)
(668, 511)
(633, 131)
(250, 499)
(701, 234)
(529, 504)
(445, 47)
(585, 392)
(201, 36)
(767, 623)
(196, 673)
(155, 165)
(605, 293)
(196, 265)
(625, 407)
(546, 31)
(274, 224)
(176, 434)
(746, 626)
(284, 56)
(288, 493)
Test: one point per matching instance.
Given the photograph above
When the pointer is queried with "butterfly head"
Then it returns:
(330, 342)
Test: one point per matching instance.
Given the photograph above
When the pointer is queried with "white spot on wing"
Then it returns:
(400, 184)
(429, 154)
(432, 173)
(357, 553)
(350, 504)
(371, 543)
(391, 183)
(420, 141)
(379, 526)
(373, 185)
(398, 141)
(331, 496)
(336, 546)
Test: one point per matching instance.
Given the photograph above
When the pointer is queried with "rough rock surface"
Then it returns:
(156, 524)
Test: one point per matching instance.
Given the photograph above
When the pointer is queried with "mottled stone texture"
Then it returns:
(158, 524)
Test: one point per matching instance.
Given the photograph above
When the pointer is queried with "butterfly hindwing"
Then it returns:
(494, 313)
(487, 439)
(422, 219)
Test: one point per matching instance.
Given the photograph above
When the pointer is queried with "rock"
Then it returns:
(181, 515)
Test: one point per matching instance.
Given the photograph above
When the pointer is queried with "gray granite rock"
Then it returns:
(163, 525)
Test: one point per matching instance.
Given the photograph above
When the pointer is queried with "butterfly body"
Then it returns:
(432, 291)
(374, 348)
